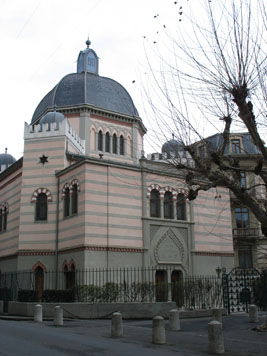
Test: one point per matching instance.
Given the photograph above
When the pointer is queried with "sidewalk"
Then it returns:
(192, 340)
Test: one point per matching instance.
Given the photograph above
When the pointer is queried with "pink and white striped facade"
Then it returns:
(113, 226)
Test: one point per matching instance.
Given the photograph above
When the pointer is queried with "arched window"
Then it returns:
(5, 219)
(181, 207)
(100, 141)
(121, 145)
(168, 205)
(41, 207)
(155, 203)
(67, 202)
(114, 143)
(74, 199)
(107, 143)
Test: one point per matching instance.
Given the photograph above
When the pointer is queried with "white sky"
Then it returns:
(41, 39)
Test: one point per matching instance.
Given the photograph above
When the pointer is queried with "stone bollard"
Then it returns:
(1, 307)
(58, 316)
(217, 314)
(158, 330)
(253, 314)
(215, 336)
(174, 320)
(116, 325)
(38, 313)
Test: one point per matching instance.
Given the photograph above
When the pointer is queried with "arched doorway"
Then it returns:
(177, 288)
(39, 282)
(161, 286)
(69, 277)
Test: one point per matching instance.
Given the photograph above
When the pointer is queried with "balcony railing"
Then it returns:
(246, 233)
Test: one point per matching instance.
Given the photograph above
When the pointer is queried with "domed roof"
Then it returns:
(89, 89)
(51, 117)
(172, 146)
(6, 160)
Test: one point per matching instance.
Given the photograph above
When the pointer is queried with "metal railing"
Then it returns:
(248, 232)
(151, 284)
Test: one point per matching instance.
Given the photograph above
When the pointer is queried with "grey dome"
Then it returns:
(172, 146)
(51, 117)
(86, 88)
(6, 160)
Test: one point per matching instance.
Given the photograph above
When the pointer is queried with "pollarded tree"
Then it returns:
(212, 78)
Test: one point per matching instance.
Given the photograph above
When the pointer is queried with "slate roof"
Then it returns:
(87, 88)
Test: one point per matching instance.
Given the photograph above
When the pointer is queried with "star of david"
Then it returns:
(43, 159)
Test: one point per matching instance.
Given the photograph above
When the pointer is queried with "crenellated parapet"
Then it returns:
(177, 156)
(54, 129)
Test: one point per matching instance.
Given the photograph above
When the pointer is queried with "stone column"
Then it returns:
(116, 325)
(58, 316)
(38, 313)
(158, 330)
(174, 320)
(162, 208)
(253, 314)
(217, 314)
(215, 338)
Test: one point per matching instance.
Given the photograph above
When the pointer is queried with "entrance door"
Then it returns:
(39, 282)
(161, 286)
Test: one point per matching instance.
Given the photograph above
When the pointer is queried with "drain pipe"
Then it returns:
(57, 229)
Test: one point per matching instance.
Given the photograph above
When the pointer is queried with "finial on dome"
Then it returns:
(88, 42)
(55, 108)
(6, 150)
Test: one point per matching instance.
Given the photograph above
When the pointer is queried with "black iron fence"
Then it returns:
(113, 285)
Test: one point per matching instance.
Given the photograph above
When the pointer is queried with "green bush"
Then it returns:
(27, 296)
(58, 296)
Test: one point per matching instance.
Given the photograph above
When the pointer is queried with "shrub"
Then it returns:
(27, 295)
(58, 296)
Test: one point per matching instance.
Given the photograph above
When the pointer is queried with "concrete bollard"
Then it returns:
(174, 320)
(1, 307)
(38, 313)
(116, 325)
(253, 314)
(158, 330)
(215, 337)
(217, 314)
(58, 316)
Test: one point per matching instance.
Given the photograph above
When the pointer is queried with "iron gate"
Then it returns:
(240, 289)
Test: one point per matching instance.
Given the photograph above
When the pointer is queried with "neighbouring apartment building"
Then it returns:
(83, 195)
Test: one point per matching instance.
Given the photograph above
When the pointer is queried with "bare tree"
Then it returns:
(212, 75)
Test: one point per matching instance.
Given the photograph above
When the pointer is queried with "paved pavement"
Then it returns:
(92, 337)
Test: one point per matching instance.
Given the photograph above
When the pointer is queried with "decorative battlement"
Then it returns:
(54, 129)
(177, 156)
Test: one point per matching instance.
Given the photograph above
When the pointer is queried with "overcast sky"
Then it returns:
(41, 39)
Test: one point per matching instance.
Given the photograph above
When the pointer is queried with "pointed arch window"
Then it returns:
(67, 202)
(107, 142)
(155, 203)
(168, 205)
(121, 145)
(74, 199)
(5, 219)
(100, 141)
(181, 207)
(114, 143)
(41, 207)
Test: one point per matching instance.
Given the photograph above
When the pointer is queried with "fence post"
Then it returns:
(38, 313)
(158, 330)
(174, 320)
(116, 325)
(215, 338)
(58, 316)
